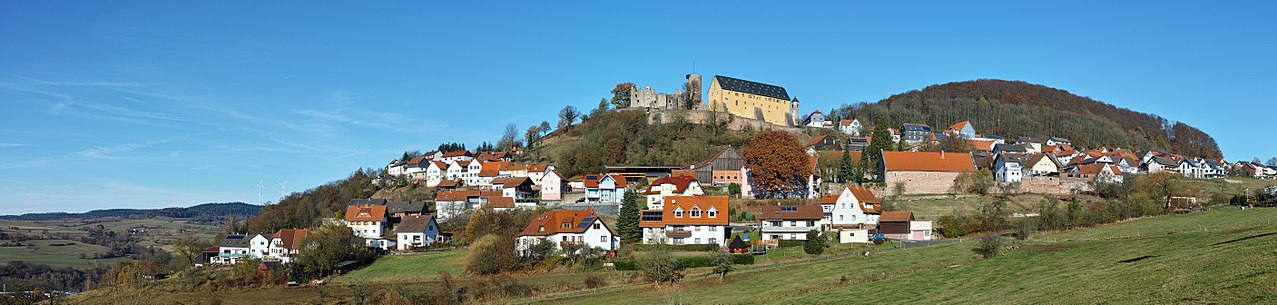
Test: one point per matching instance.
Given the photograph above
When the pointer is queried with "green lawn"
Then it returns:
(410, 267)
(1184, 265)
(54, 256)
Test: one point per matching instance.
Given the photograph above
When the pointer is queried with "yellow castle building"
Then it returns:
(769, 103)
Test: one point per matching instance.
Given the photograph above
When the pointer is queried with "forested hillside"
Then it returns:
(207, 209)
(304, 209)
(1016, 108)
(626, 138)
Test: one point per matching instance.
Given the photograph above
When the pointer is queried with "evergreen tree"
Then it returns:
(845, 170)
(881, 142)
(628, 222)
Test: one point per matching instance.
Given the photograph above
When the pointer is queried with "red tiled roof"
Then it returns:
(959, 126)
(982, 145)
(451, 195)
(511, 181)
(555, 221)
(704, 203)
(593, 180)
(896, 216)
(927, 161)
(291, 238)
(680, 184)
(365, 212)
(490, 169)
(845, 122)
(801, 212)
(499, 202)
(457, 153)
(450, 183)
(416, 160)
(817, 140)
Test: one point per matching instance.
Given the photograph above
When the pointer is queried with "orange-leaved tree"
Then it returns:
(778, 167)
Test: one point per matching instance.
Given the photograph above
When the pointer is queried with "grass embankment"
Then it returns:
(409, 267)
(1220, 256)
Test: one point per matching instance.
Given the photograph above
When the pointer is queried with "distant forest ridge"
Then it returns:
(210, 209)
(1016, 108)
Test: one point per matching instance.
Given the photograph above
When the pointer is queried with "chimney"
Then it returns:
(941, 154)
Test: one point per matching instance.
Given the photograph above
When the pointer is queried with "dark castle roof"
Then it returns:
(740, 85)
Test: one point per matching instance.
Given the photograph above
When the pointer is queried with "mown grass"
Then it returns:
(1080, 266)
(410, 267)
(67, 255)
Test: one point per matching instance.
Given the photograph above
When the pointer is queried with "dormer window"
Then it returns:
(713, 212)
(565, 225)
(541, 229)
(678, 212)
(696, 212)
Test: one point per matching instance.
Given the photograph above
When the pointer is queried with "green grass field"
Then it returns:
(409, 267)
(1186, 259)
(160, 232)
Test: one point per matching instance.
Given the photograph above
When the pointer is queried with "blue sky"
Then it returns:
(174, 103)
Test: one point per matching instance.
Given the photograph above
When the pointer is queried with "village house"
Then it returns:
(962, 129)
(1054, 141)
(914, 133)
(604, 188)
(417, 231)
(1009, 167)
(520, 189)
(551, 186)
(788, 222)
(818, 119)
(568, 227)
(231, 250)
(851, 213)
(687, 220)
(671, 186)
(923, 172)
(851, 127)
(399, 209)
(1042, 165)
(284, 244)
(823, 143)
(367, 221)
(1096, 172)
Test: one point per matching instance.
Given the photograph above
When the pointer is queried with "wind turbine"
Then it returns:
(260, 189)
(282, 186)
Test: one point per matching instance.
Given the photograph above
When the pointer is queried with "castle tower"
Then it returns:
(694, 84)
(793, 113)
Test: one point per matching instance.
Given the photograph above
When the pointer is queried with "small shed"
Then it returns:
(895, 224)
(737, 245)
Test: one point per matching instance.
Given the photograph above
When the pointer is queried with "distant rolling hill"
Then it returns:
(1016, 108)
(211, 209)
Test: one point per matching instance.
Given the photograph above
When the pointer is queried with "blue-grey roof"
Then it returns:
(755, 88)
(993, 137)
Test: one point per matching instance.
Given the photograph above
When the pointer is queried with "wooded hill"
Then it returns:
(210, 209)
(1015, 108)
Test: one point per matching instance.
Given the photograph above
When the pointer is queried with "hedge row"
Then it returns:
(689, 248)
(692, 261)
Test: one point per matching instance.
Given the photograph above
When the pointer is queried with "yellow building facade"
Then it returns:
(752, 100)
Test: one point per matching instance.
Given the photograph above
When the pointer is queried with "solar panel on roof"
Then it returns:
(585, 222)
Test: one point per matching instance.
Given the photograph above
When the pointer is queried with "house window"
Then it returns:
(696, 228)
(696, 240)
(678, 213)
(541, 229)
(565, 225)
(713, 240)
(603, 239)
(596, 226)
(696, 212)
(713, 228)
(713, 213)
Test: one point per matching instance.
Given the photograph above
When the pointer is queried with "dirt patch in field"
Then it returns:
(1243, 238)
(1137, 259)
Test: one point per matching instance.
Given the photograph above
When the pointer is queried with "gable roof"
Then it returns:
(981, 144)
(680, 184)
(592, 180)
(927, 161)
(512, 181)
(959, 126)
(755, 88)
(500, 202)
(450, 183)
(455, 195)
(895, 216)
(489, 169)
(457, 153)
(863, 195)
(817, 140)
(365, 212)
(552, 222)
(235, 241)
(726, 152)
(704, 203)
(1010, 148)
(414, 223)
(291, 238)
(800, 212)
(1059, 139)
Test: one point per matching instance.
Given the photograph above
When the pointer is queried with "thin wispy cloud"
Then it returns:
(12, 145)
(113, 151)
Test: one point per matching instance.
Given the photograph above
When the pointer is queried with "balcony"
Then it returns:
(774, 229)
(678, 234)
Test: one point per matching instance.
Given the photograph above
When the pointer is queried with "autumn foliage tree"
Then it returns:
(777, 165)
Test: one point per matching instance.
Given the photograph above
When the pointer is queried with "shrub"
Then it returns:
(1024, 227)
(625, 265)
(815, 243)
(742, 259)
(990, 246)
(594, 281)
(658, 266)
(490, 254)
